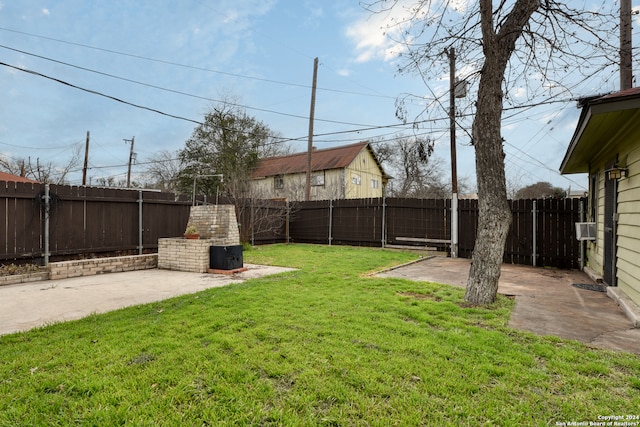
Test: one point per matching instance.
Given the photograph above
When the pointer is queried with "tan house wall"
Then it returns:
(353, 182)
(359, 176)
(295, 187)
(628, 222)
(628, 249)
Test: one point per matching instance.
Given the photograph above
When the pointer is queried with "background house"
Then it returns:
(346, 172)
(606, 145)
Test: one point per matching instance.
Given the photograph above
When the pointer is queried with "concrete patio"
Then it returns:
(547, 303)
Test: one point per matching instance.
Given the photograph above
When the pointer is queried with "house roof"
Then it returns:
(602, 121)
(329, 158)
(15, 178)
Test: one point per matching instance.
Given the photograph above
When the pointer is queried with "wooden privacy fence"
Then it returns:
(542, 232)
(84, 220)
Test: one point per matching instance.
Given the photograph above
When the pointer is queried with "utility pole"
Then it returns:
(86, 161)
(452, 137)
(626, 72)
(311, 118)
(131, 159)
(452, 119)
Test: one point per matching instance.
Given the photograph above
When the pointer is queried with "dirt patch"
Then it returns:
(420, 296)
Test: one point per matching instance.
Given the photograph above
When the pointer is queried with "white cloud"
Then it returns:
(378, 35)
(382, 35)
(344, 72)
(45, 11)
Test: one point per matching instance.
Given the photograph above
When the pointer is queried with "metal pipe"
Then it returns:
(454, 225)
(535, 229)
(47, 206)
(330, 220)
(384, 214)
(195, 177)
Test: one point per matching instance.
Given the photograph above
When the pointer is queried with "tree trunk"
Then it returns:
(494, 213)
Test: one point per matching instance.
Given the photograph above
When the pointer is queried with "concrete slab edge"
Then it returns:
(401, 265)
(592, 275)
(630, 308)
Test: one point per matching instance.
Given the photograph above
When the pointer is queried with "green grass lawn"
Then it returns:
(324, 345)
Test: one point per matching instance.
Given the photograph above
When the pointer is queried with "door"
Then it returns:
(609, 261)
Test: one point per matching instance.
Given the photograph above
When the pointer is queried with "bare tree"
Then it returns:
(415, 172)
(532, 43)
(12, 166)
(46, 172)
(162, 170)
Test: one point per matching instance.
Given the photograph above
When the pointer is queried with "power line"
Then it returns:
(39, 147)
(192, 67)
(35, 73)
(177, 91)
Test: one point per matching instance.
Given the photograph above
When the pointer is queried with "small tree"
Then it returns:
(228, 143)
(540, 190)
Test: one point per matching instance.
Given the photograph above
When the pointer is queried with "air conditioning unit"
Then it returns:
(585, 231)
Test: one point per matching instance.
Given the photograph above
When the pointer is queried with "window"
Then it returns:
(278, 182)
(317, 179)
(374, 183)
(355, 179)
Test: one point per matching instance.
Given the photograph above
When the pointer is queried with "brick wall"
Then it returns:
(184, 254)
(24, 278)
(89, 267)
(217, 223)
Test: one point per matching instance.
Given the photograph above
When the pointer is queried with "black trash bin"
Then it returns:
(225, 257)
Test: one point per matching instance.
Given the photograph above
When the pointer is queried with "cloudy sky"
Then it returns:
(181, 57)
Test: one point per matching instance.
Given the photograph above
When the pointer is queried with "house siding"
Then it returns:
(365, 167)
(628, 231)
(628, 222)
(294, 187)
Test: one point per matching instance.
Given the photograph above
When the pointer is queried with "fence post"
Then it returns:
(47, 206)
(535, 228)
(454, 225)
(288, 218)
(140, 245)
(251, 218)
(384, 214)
(330, 220)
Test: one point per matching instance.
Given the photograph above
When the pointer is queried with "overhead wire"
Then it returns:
(192, 67)
(180, 92)
(94, 92)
